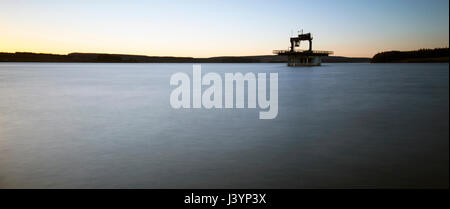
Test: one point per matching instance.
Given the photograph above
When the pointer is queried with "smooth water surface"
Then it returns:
(75, 125)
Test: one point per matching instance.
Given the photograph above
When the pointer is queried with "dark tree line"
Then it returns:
(422, 55)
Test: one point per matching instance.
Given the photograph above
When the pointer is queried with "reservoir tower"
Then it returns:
(297, 57)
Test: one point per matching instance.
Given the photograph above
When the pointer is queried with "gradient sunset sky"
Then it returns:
(357, 28)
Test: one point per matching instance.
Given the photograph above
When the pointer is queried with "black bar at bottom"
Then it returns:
(227, 198)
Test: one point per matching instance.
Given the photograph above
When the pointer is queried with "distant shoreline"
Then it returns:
(418, 56)
(438, 55)
(123, 58)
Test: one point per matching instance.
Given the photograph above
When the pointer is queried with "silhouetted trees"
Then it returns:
(422, 55)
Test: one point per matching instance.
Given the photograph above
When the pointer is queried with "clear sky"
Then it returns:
(357, 28)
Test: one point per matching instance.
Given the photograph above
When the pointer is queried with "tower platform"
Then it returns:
(303, 57)
(298, 57)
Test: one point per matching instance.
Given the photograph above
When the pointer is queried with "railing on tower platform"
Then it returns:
(302, 51)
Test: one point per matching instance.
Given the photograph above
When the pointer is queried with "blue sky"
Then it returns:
(357, 28)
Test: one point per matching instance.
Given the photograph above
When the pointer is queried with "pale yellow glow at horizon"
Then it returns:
(215, 29)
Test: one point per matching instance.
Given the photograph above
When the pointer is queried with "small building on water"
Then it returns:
(297, 57)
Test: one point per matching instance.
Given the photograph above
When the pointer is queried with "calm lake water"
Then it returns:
(74, 125)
